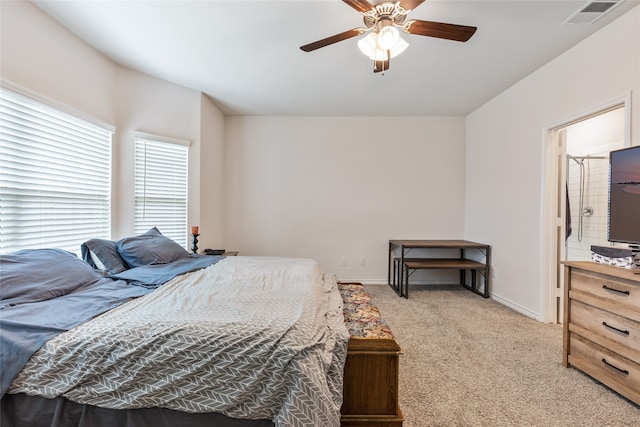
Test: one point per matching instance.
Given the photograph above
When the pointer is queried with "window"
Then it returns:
(55, 176)
(161, 186)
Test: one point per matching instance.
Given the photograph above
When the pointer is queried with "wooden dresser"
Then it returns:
(602, 325)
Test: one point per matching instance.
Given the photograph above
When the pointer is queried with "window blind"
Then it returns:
(55, 176)
(161, 172)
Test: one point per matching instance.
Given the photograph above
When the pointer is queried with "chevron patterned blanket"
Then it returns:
(249, 337)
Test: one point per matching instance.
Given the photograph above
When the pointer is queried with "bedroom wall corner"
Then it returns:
(210, 216)
(151, 105)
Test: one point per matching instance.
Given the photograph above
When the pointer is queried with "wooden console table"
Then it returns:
(400, 267)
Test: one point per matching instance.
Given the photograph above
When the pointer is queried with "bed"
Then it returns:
(176, 339)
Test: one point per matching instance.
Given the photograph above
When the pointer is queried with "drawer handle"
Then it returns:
(623, 371)
(614, 328)
(615, 290)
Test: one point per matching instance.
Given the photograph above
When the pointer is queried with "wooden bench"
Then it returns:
(441, 263)
(370, 390)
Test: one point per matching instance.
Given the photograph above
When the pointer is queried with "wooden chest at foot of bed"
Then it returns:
(371, 370)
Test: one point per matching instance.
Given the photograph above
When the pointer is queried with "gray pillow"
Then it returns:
(31, 275)
(103, 255)
(150, 248)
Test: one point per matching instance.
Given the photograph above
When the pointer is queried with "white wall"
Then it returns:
(41, 56)
(333, 187)
(506, 152)
(154, 106)
(211, 220)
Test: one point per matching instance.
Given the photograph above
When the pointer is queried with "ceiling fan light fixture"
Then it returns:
(388, 37)
(399, 47)
(380, 55)
(371, 47)
(368, 44)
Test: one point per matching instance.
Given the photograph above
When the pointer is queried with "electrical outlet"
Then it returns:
(343, 261)
(363, 260)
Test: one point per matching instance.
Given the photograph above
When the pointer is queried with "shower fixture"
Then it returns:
(585, 211)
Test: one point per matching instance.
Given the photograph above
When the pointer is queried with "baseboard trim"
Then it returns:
(420, 283)
(372, 282)
(516, 307)
(503, 301)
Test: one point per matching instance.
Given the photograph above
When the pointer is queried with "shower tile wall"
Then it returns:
(594, 137)
(594, 227)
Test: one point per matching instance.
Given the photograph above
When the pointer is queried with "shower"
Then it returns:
(582, 210)
(587, 187)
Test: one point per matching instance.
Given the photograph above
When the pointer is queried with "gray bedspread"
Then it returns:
(42, 296)
(250, 337)
(45, 292)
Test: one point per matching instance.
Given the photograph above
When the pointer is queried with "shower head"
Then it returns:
(580, 162)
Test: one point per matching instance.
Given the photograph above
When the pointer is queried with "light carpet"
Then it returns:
(470, 361)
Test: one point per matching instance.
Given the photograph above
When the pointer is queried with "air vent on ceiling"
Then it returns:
(592, 11)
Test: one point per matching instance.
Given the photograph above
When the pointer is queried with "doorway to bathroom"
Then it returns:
(588, 144)
(577, 191)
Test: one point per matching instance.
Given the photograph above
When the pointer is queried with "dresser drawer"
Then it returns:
(610, 289)
(618, 333)
(609, 368)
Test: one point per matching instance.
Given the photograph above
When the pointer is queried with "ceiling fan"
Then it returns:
(384, 41)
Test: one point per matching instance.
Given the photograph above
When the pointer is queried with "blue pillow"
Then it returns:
(150, 248)
(32, 275)
(103, 255)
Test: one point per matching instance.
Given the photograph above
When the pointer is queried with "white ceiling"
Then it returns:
(245, 54)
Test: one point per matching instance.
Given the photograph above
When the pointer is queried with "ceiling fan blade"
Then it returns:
(460, 33)
(361, 6)
(333, 39)
(410, 4)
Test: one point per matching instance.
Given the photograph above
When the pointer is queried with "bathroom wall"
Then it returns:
(589, 142)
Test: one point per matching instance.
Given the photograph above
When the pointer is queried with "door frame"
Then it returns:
(554, 207)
